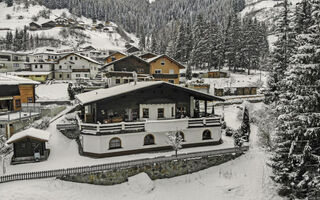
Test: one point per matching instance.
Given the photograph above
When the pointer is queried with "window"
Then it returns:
(145, 113)
(113, 58)
(70, 67)
(148, 139)
(171, 81)
(85, 75)
(18, 103)
(125, 80)
(117, 81)
(162, 62)
(71, 58)
(30, 100)
(160, 112)
(60, 75)
(206, 135)
(171, 71)
(36, 66)
(41, 66)
(60, 67)
(158, 71)
(78, 75)
(76, 58)
(15, 64)
(68, 75)
(38, 76)
(115, 143)
(172, 111)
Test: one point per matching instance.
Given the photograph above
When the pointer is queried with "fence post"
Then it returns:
(123, 126)
(98, 127)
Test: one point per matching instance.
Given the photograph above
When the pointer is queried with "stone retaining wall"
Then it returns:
(160, 170)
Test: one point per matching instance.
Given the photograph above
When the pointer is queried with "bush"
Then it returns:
(8, 16)
(34, 18)
(229, 131)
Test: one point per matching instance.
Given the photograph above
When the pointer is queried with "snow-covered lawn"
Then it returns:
(245, 178)
(57, 92)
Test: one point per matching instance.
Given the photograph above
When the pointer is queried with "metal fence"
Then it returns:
(109, 166)
(31, 107)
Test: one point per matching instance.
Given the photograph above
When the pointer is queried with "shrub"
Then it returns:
(8, 16)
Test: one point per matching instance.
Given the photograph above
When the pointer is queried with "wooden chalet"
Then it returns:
(235, 91)
(217, 74)
(161, 67)
(132, 49)
(34, 26)
(147, 55)
(29, 146)
(114, 56)
(136, 117)
(129, 63)
(48, 25)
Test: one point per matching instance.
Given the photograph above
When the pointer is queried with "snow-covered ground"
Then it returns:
(245, 178)
(53, 92)
(100, 40)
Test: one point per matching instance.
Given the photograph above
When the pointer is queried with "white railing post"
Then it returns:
(123, 127)
(98, 127)
(204, 121)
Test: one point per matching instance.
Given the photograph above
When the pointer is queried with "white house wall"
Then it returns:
(153, 110)
(135, 141)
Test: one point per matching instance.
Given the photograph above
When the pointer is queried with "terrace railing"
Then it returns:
(124, 164)
(162, 125)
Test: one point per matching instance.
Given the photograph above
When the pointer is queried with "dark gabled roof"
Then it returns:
(146, 54)
(124, 58)
(169, 58)
(9, 90)
(103, 94)
(35, 24)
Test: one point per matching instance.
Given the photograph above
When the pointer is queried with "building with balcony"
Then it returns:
(136, 117)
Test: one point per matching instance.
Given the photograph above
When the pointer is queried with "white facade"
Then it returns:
(42, 67)
(11, 61)
(77, 62)
(133, 141)
(79, 75)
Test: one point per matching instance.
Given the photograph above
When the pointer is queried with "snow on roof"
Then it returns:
(32, 133)
(171, 59)
(84, 57)
(6, 79)
(99, 94)
(28, 73)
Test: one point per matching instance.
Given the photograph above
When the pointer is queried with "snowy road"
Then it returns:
(245, 178)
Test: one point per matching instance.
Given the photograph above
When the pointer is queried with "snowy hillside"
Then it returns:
(21, 16)
(266, 11)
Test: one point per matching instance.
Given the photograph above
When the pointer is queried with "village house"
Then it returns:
(132, 49)
(114, 78)
(114, 56)
(12, 61)
(216, 74)
(40, 76)
(14, 93)
(48, 25)
(74, 66)
(161, 67)
(29, 145)
(136, 117)
(34, 26)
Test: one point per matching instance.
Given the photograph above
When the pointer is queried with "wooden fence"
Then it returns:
(109, 166)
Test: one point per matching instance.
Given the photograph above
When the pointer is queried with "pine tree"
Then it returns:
(189, 73)
(297, 154)
(9, 3)
(284, 48)
(245, 125)
(9, 40)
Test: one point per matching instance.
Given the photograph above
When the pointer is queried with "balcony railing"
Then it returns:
(149, 125)
(165, 75)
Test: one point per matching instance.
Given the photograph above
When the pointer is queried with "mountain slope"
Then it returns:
(21, 16)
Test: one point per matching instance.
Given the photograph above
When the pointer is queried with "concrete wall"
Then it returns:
(160, 170)
(99, 144)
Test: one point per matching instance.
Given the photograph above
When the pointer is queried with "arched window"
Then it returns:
(115, 143)
(148, 139)
(206, 135)
(182, 136)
